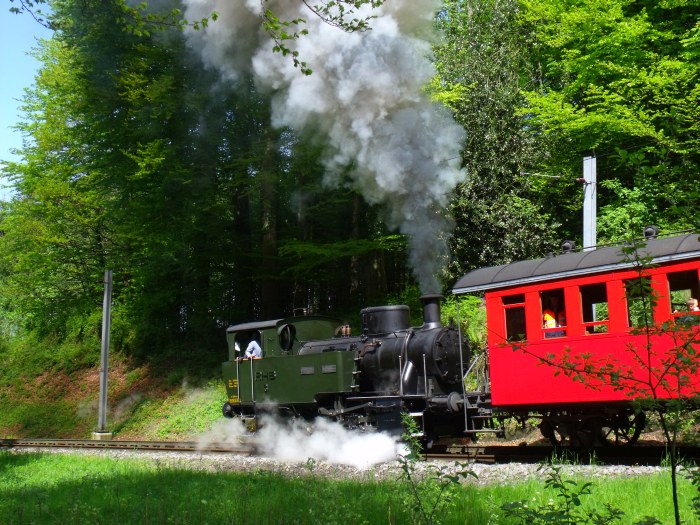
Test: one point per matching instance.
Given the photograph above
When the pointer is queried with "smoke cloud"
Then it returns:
(364, 102)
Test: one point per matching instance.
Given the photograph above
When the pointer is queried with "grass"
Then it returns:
(179, 414)
(75, 490)
(638, 497)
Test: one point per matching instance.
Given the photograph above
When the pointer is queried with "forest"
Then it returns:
(237, 161)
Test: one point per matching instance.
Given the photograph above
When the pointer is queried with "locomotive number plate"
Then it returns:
(266, 376)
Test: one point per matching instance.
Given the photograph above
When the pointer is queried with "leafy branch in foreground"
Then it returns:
(337, 13)
(282, 31)
(140, 21)
(341, 14)
(31, 7)
(431, 493)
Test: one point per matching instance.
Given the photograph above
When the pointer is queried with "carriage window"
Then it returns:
(594, 302)
(553, 313)
(639, 302)
(683, 289)
(514, 306)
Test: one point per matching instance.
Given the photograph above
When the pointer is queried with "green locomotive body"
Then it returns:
(312, 366)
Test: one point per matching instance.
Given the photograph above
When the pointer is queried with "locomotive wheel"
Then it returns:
(623, 429)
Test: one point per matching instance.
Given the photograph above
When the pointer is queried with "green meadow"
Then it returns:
(41, 488)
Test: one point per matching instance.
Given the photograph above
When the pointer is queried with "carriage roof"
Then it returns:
(567, 265)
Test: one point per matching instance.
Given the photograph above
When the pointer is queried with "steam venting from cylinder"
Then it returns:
(431, 310)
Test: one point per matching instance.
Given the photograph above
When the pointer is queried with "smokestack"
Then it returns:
(431, 310)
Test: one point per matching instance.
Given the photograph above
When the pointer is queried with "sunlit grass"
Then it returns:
(637, 496)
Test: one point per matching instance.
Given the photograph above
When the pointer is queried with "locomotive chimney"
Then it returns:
(431, 310)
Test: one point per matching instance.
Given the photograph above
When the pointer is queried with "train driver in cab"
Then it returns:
(253, 350)
(553, 316)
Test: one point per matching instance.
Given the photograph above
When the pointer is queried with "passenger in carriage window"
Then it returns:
(689, 320)
(692, 305)
(553, 316)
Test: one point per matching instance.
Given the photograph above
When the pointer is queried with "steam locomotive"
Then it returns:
(312, 366)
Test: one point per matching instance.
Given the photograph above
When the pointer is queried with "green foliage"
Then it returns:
(32, 354)
(137, 19)
(410, 297)
(279, 32)
(206, 214)
(469, 311)
(481, 66)
(619, 79)
(312, 255)
(40, 418)
(694, 476)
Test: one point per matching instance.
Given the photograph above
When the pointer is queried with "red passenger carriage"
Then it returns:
(590, 304)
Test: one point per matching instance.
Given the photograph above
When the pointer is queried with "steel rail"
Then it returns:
(173, 446)
(650, 455)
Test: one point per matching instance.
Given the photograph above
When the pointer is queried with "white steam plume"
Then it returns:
(364, 101)
(297, 441)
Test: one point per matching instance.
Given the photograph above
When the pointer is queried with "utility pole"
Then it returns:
(102, 432)
(589, 202)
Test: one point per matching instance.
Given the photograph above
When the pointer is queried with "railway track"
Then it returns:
(488, 454)
(651, 455)
(165, 446)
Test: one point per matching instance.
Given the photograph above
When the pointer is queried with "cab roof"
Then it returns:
(566, 265)
(255, 325)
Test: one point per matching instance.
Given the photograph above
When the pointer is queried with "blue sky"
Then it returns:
(18, 35)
